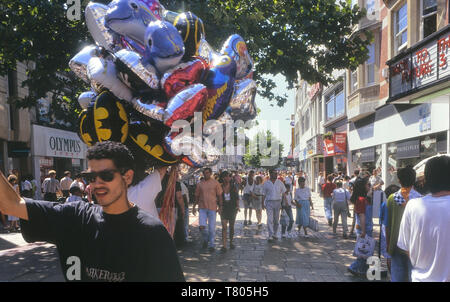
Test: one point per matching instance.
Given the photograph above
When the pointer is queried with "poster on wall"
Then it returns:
(340, 143)
(328, 147)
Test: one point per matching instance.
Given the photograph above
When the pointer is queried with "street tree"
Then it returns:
(310, 37)
(259, 151)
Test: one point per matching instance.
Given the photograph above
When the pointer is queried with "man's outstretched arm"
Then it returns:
(10, 202)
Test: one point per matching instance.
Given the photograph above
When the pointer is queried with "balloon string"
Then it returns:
(166, 214)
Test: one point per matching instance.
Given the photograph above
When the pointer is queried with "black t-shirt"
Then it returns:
(159, 200)
(132, 246)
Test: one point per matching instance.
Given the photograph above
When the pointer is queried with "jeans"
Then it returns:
(207, 219)
(291, 218)
(327, 201)
(186, 223)
(360, 264)
(273, 208)
(400, 267)
(340, 208)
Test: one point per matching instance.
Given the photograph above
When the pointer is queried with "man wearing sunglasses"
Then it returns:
(114, 240)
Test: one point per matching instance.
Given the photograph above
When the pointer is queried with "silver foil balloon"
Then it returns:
(86, 98)
(242, 104)
(236, 48)
(206, 52)
(185, 103)
(193, 150)
(150, 110)
(146, 73)
(95, 20)
(102, 74)
(78, 64)
(130, 18)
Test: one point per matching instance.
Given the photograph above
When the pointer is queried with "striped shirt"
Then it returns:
(51, 185)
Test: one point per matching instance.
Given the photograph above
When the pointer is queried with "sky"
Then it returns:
(277, 119)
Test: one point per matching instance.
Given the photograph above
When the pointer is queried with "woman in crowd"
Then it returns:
(303, 202)
(257, 200)
(230, 207)
(364, 224)
(14, 221)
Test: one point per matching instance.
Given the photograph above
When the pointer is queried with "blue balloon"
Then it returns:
(164, 46)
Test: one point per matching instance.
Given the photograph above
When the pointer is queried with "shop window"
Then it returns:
(370, 65)
(429, 17)
(370, 7)
(330, 107)
(401, 28)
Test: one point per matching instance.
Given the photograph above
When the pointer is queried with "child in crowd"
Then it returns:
(287, 208)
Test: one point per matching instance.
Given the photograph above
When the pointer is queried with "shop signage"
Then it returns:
(328, 147)
(368, 155)
(57, 143)
(313, 90)
(310, 147)
(340, 143)
(408, 149)
(421, 66)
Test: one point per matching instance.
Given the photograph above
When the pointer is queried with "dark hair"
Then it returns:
(437, 174)
(74, 189)
(301, 179)
(330, 177)
(223, 175)
(117, 152)
(207, 168)
(406, 176)
(347, 177)
(339, 184)
(356, 172)
(359, 189)
(391, 190)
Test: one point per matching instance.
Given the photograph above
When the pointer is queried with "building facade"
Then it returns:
(399, 100)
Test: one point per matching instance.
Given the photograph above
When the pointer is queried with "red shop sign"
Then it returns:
(328, 147)
(340, 143)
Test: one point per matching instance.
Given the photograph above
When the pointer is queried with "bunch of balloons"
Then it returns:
(151, 67)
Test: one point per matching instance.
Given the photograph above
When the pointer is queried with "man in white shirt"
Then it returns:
(274, 191)
(424, 231)
(144, 193)
(65, 183)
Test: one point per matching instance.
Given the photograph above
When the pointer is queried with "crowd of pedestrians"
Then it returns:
(413, 227)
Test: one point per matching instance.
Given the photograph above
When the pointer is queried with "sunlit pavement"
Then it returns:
(321, 257)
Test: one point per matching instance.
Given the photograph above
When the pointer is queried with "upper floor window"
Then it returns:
(353, 81)
(401, 28)
(335, 104)
(370, 65)
(429, 17)
(370, 7)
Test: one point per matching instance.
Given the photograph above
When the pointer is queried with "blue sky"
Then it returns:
(273, 115)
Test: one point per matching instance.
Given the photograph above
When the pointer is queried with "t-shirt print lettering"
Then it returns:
(104, 275)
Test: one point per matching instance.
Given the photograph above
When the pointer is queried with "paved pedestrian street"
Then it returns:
(321, 257)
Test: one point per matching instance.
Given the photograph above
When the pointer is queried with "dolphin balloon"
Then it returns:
(129, 18)
(164, 47)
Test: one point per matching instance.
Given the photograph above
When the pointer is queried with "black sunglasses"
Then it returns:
(105, 175)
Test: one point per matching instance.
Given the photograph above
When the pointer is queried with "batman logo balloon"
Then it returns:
(104, 120)
(145, 143)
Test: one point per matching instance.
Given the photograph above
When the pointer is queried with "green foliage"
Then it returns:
(286, 36)
(253, 159)
(283, 37)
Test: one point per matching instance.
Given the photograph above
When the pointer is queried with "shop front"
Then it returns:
(55, 149)
(367, 159)
(335, 152)
(410, 152)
